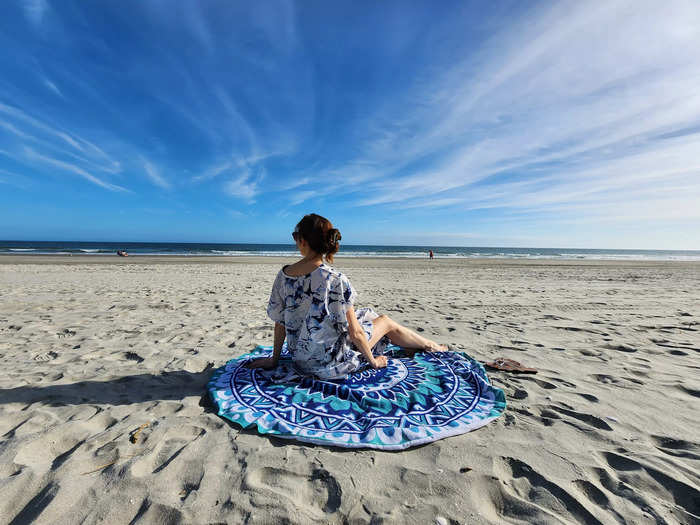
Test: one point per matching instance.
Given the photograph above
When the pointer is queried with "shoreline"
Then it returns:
(44, 259)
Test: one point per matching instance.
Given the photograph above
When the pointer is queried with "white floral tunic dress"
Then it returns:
(313, 308)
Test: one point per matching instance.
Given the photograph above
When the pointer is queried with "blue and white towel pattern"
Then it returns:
(412, 401)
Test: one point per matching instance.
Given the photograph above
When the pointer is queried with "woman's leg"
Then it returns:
(401, 336)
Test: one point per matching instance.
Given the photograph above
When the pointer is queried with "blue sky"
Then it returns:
(566, 124)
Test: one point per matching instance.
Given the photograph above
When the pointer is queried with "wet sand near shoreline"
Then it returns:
(103, 416)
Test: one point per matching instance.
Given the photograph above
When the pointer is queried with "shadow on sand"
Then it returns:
(127, 390)
(122, 391)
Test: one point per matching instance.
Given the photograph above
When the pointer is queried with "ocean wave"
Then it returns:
(388, 252)
(261, 253)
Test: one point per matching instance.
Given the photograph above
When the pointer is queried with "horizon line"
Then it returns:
(358, 245)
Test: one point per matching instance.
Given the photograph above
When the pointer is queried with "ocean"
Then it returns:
(218, 250)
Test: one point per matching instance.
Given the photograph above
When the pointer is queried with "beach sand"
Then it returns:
(104, 418)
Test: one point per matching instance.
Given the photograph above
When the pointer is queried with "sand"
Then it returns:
(103, 416)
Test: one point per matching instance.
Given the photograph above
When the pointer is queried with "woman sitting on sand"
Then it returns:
(312, 306)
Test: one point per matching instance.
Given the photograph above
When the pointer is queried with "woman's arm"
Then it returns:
(271, 362)
(358, 338)
(280, 334)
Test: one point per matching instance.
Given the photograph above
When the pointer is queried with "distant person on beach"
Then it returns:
(122, 253)
(313, 307)
(431, 255)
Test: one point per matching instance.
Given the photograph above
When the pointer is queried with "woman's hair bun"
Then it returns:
(334, 236)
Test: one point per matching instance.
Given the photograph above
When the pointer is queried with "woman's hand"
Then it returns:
(379, 362)
(267, 363)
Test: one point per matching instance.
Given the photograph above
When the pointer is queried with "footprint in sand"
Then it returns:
(65, 333)
(662, 485)
(46, 356)
(37, 504)
(633, 380)
(621, 348)
(52, 448)
(320, 491)
(690, 391)
(498, 348)
(542, 384)
(677, 447)
(550, 317)
(605, 379)
(133, 356)
(151, 512)
(21, 424)
(190, 476)
(592, 492)
(589, 397)
(589, 419)
(171, 444)
(542, 500)
(562, 382)
(519, 393)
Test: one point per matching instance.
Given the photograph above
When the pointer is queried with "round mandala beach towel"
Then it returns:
(412, 401)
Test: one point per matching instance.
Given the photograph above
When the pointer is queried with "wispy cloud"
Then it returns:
(236, 214)
(295, 183)
(11, 178)
(35, 10)
(53, 87)
(245, 186)
(27, 127)
(297, 197)
(11, 128)
(72, 168)
(576, 92)
(154, 175)
(214, 171)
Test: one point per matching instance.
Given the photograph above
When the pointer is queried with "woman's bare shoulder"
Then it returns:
(299, 269)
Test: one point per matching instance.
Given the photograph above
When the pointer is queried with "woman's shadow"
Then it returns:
(139, 388)
(125, 390)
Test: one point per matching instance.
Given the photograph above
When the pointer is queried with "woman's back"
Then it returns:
(313, 308)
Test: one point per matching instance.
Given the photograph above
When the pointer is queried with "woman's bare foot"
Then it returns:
(435, 347)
